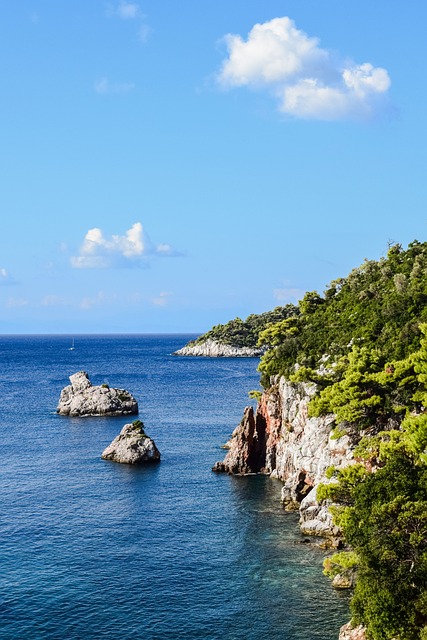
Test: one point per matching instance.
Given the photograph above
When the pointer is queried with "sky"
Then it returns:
(167, 166)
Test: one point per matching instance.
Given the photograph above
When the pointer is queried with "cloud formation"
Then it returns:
(162, 299)
(130, 11)
(16, 303)
(124, 10)
(5, 277)
(308, 81)
(105, 86)
(131, 249)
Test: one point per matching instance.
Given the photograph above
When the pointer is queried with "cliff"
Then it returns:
(348, 632)
(81, 398)
(280, 439)
(214, 349)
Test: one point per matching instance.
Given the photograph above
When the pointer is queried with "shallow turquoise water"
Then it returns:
(91, 549)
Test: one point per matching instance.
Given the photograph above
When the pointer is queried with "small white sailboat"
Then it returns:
(72, 345)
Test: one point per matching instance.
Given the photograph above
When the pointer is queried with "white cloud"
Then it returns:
(308, 80)
(101, 299)
(144, 32)
(5, 277)
(124, 10)
(14, 303)
(131, 249)
(162, 299)
(128, 10)
(104, 86)
(54, 301)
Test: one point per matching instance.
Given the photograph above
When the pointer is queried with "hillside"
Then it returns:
(368, 333)
(345, 381)
(243, 334)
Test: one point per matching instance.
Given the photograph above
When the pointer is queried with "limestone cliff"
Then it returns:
(280, 439)
(348, 632)
(215, 349)
(81, 398)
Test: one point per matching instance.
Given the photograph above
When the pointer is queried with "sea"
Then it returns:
(91, 549)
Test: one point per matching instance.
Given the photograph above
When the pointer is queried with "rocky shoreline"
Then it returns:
(279, 439)
(214, 349)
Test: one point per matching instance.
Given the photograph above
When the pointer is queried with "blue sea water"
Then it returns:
(91, 549)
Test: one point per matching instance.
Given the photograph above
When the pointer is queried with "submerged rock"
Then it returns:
(81, 398)
(214, 349)
(132, 446)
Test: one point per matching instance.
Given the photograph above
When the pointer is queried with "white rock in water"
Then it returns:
(132, 446)
(81, 398)
(213, 349)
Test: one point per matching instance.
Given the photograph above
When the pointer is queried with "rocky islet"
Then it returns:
(132, 446)
(81, 398)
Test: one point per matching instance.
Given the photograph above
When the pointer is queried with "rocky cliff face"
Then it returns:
(281, 440)
(81, 398)
(348, 632)
(213, 349)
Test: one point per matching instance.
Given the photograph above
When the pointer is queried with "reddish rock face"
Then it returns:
(281, 439)
(247, 446)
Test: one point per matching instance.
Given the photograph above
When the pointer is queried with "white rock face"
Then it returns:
(213, 349)
(81, 398)
(348, 632)
(132, 446)
(285, 443)
(300, 451)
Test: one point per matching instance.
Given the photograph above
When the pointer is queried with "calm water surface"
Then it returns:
(92, 549)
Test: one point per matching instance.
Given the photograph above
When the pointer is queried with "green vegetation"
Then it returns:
(138, 424)
(364, 344)
(343, 563)
(378, 306)
(245, 333)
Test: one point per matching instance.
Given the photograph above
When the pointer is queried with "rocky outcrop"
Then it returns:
(81, 398)
(132, 446)
(280, 439)
(246, 447)
(348, 632)
(213, 349)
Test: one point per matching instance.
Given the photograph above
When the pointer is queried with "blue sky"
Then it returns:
(167, 166)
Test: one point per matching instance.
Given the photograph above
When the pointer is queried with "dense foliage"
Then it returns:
(364, 344)
(378, 306)
(245, 333)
